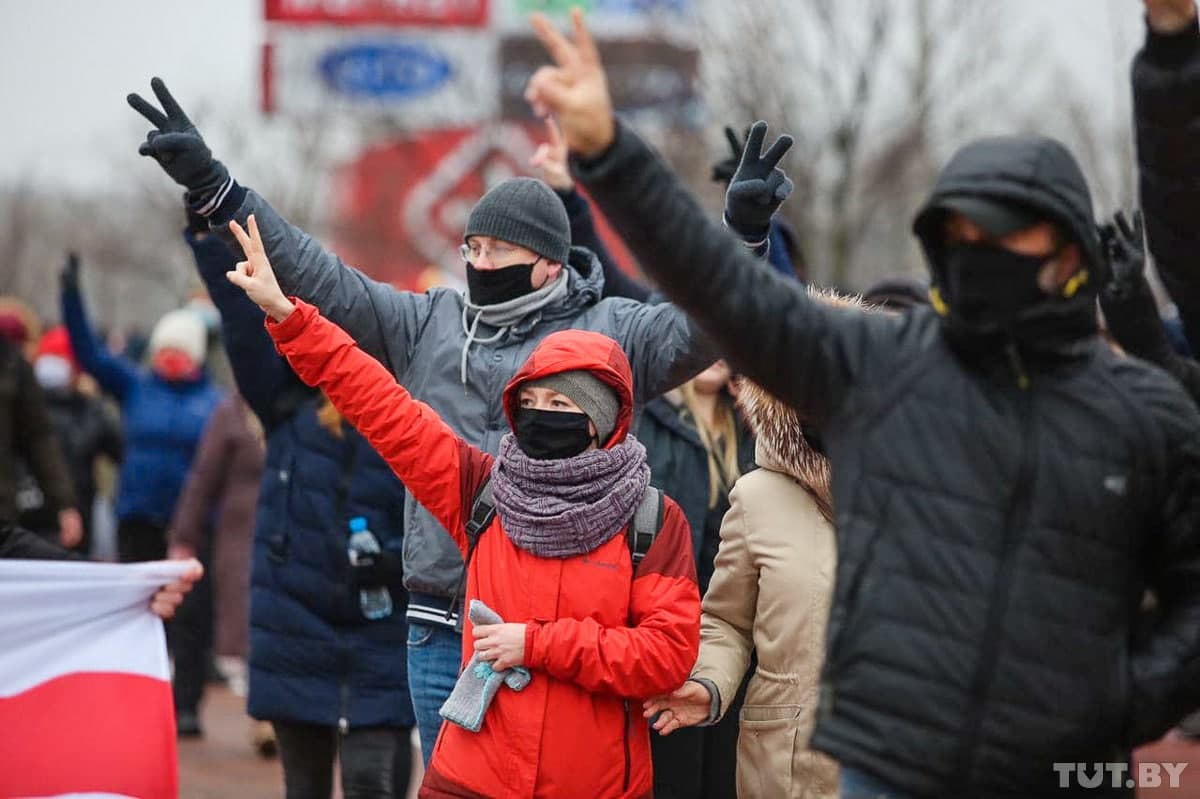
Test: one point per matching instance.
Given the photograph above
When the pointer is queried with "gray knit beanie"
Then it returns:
(527, 212)
(590, 393)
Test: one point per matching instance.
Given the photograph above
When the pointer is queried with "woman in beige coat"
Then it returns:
(770, 594)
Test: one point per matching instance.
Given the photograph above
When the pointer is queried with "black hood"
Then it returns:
(1039, 174)
(1034, 171)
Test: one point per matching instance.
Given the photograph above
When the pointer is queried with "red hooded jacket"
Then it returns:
(599, 638)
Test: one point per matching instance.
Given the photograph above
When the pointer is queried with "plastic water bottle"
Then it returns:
(376, 603)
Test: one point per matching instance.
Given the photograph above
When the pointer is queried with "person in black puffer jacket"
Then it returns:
(1006, 486)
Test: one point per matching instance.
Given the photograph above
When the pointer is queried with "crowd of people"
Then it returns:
(719, 533)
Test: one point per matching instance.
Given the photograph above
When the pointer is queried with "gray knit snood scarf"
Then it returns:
(569, 506)
(504, 315)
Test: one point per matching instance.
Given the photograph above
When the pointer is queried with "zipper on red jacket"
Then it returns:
(625, 734)
(1015, 528)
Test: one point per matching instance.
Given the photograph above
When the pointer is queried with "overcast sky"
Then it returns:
(66, 66)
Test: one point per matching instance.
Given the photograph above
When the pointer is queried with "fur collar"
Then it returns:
(779, 445)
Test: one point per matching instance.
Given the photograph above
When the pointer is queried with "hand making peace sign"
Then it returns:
(255, 275)
(576, 90)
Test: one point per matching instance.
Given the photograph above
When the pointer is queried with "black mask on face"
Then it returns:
(990, 286)
(494, 286)
(550, 435)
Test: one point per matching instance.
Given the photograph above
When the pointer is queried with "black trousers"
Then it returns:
(189, 636)
(699, 762)
(375, 761)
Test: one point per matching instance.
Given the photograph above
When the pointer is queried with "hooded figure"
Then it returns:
(593, 635)
(1006, 487)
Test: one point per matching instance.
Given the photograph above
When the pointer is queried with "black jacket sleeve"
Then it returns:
(583, 234)
(1165, 669)
(17, 543)
(1133, 319)
(1166, 100)
(806, 353)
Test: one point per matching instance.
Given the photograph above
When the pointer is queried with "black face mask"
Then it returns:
(990, 286)
(550, 435)
(494, 286)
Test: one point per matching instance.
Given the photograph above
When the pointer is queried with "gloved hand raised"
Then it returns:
(179, 148)
(1123, 243)
(69, 276)
(758, 187)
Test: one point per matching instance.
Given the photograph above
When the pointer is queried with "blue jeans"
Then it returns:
(856, 784)
(434, 656)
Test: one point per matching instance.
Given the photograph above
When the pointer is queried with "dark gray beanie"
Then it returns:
(527, 212)
(590, 393)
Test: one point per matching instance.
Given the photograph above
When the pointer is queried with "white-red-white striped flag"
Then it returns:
(85, 691)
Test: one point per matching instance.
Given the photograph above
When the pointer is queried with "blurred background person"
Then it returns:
(214, 522)
(87, 431)
(163, 412)
(27, 437)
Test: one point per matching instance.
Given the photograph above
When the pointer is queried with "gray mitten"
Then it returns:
(479, 682)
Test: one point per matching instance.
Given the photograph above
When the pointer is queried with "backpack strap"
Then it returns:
(483, 510)
(647, 522)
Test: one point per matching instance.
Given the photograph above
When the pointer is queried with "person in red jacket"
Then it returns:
(585, 635)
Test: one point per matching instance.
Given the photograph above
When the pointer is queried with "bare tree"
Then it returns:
(875, 92)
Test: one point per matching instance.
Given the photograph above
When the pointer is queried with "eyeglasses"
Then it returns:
(500, 252)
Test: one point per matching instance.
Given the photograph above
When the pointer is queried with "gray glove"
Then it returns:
(758, 187)
(179, 148)
(479, 682)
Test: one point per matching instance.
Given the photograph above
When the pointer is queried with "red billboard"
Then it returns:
(378, 12)
(401, 208)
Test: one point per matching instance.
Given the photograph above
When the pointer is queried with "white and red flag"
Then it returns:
(85, 684)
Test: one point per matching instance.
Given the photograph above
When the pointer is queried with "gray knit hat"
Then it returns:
(593, 395)
(527, 212)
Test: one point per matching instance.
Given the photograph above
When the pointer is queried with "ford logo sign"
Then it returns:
(384, 70)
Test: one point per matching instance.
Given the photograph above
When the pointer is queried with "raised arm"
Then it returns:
(806, 354)
(1130, 308)
(382, 320)
(1166, 98)
(653, 655)
(442, 471)
(263, 376)
(115, 374)
(551, 160)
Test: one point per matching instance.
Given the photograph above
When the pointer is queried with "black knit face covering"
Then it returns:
(496, 286)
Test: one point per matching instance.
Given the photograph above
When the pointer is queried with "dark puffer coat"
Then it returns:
(994, 542)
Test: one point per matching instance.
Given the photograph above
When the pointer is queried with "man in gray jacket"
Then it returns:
(453, 352)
